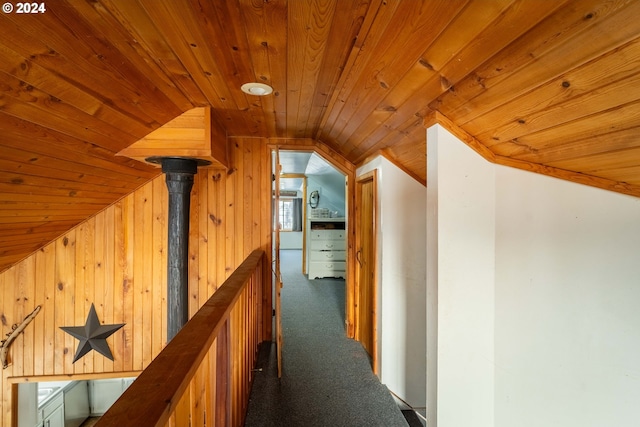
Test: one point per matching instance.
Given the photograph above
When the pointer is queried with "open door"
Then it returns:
(366, 279)
(278, 275)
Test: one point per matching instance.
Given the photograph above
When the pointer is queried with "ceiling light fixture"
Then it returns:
(258, 89)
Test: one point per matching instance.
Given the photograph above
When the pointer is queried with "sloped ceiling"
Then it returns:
(551, 86)
(302, 163)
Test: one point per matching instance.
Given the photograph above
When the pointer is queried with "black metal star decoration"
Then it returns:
(92, 335)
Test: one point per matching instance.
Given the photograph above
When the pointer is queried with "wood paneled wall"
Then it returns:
(117, 260)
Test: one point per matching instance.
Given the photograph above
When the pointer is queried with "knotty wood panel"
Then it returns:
(192, 134)
(530, 61)
(575, 95)
(316, 23)
(411, 22)
(117, 260)
(468, 36)
(530, 80)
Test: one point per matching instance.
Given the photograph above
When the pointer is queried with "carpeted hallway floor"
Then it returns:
(327, 378)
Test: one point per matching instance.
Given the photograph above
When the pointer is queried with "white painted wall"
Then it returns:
(401, 288)
(462, 185)
(567, 304)
(332, 191)
(563, 349)
(290, 239)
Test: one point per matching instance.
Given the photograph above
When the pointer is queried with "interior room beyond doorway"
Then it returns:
(310, 189)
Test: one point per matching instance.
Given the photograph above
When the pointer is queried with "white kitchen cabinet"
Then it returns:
(103, 393)
(76, 403)
(28, 405)
(327, 246)
(52, 412)
(55, 418)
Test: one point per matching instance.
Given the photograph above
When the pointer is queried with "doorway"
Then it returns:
(308, 178)
(366, 274)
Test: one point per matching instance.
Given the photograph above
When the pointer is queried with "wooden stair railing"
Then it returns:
(203, 376)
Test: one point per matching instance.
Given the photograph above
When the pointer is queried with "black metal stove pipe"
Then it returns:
(179, 177)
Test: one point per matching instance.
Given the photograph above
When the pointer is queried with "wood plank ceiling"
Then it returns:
(552, 86)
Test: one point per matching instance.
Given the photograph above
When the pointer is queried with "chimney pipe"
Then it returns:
(179, 173)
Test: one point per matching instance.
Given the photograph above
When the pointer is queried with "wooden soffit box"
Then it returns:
(193, 134)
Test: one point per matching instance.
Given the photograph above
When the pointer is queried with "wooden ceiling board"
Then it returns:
(421, 83)
(628, 174)
(410, 132)
(599, 164)
(439, 66)
(309, 51)
(180, 25)
(110, 29)
(70, 59)
(566, 134)
(12, 169)
(383, 67)
(35, 106)
(595, 144)
(31, 75)
(577, 177)
(13, 187)
(543, 54)
(265, 26)
(547, 86)
(151, 44)
(108, 47)
(579, 93)
(341, 41)
(581, 107)
(519, 18)
(412, 146)
(372, 32)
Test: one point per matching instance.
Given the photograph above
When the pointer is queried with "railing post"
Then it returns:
(223, 377)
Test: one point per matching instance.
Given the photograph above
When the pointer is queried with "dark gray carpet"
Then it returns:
(327, 378)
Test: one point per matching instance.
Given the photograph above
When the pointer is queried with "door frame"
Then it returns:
(360, 180)
(348, 169)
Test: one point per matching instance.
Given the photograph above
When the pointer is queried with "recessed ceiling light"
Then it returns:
(258, 89)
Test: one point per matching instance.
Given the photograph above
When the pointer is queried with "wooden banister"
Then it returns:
(220, 334)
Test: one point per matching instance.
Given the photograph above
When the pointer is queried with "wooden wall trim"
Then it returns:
(74, 377)
(436, 117)
(387, 154)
